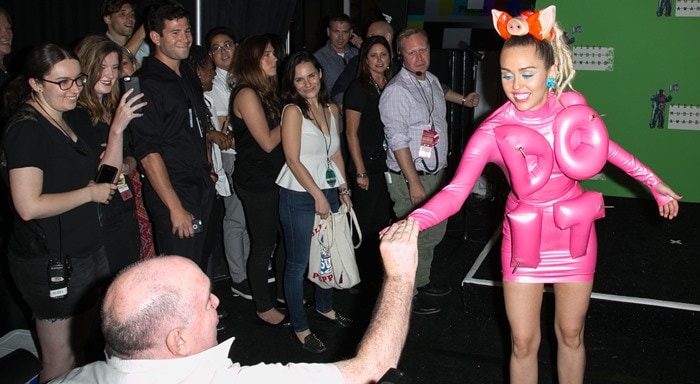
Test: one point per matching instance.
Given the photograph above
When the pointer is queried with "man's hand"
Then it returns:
(221, 139)
(416, 192)
(356, 40)
(182, 223)
(399, 249)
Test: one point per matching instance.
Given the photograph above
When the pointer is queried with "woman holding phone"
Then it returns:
(55, 253)
(97, 104)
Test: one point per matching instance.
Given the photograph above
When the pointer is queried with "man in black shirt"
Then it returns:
(170, 138)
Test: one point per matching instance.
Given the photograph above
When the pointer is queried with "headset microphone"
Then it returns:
(417, 73)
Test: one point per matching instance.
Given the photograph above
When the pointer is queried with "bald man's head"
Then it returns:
(151, 299)
(381, 28)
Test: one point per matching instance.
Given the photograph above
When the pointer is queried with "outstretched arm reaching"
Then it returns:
(381, 346)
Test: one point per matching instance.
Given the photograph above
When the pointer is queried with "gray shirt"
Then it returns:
(408, 107)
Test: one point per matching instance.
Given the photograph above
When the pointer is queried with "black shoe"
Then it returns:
(307, 304)
(285, 323)
(313, 344)
(421, 306)
(242, 289)
(340, 320)
(431, 289)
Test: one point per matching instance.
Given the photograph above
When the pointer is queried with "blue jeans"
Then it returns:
(297, 211)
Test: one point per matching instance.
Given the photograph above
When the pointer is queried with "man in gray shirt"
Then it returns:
(413, 110)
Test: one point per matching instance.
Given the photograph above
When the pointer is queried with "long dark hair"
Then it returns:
(38, 63)
(245, 67)
(289, 92)
(363, 72)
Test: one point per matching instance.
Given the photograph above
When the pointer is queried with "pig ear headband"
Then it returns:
(539, 23)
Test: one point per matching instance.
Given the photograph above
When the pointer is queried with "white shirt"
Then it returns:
(210, 366)
(220, 95)
(222, 186)
(315, 149)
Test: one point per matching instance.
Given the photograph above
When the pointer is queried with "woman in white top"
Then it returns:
(312, 182)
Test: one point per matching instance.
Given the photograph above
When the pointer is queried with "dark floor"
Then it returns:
(644, 328)
(642, 259)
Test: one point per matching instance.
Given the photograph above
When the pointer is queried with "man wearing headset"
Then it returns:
(413, 111)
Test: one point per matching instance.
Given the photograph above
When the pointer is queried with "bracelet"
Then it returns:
(464, 100)
(345, 192)
(361, 175)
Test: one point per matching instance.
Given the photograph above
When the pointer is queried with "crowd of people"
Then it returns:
(245, 139)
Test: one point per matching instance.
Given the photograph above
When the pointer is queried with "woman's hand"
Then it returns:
(126, 110)
(670, 209)
(345, 199)
(322, 207)
(102, 192)
(362, 181)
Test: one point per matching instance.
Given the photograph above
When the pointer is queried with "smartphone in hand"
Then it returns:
(131, 82)
(106, 174)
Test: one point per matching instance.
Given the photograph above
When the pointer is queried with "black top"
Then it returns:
(174, 125)
(31, 141)
(363, 97)
(255, 169)
(94, 137)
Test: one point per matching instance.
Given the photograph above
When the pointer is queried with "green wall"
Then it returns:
(651, 53)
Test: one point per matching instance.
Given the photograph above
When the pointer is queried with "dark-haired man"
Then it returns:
(337, 52)
(170, 138)
(120, 18)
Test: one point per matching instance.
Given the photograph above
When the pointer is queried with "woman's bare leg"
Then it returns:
(523, 306)
(571, 306)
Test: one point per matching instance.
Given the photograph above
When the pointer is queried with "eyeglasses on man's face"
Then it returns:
(67, 84)
(217, 48)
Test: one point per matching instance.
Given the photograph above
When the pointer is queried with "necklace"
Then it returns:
(53, 121)
(376, 86)
(65, 132)
(330, 174)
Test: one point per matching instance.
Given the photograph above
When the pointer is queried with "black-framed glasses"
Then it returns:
(217, 48)
(66, 84)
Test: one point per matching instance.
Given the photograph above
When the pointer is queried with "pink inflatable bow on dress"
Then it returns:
(538, 24)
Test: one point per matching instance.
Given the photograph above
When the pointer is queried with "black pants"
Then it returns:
(263, 222)
(168, 243)
(122, 239)
(373, 208)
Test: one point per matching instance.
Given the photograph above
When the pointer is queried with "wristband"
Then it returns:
(345, 192)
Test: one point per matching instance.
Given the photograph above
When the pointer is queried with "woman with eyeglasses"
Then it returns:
(311, 182)
(56, 254)
(97, 109)
(222, 46)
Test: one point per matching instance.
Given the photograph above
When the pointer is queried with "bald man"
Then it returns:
(159, 321)
(378, 28)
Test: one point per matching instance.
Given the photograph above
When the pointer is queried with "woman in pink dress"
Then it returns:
(544, 140)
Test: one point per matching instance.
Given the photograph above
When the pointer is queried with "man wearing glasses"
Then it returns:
(120, 17)
(170, 138)
(221, 44)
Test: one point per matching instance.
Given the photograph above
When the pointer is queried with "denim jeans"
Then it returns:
(297, 211)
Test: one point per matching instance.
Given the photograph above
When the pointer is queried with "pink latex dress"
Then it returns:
(553, 246)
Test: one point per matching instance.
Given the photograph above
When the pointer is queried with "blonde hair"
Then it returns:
(552, 52)
(91, 52)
